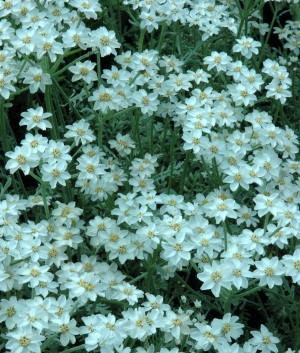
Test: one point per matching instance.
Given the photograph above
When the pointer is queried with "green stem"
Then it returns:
(3, 130)
(141, 40)
(174, 137)
(225, 236)
(151, 269)
(138, 278)
(98, 68)
(136, 133)
(151, 135)
(74, 349)
(185, 169)
(161, 37)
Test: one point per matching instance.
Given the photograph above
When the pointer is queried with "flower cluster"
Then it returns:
(162, 164)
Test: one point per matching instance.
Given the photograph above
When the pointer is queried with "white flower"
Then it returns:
(89, 167)
(146, 101)
(55, 173)
(172, 63)
(22, 158)
(206, 336)
(81, 132)
(265, 204)
(84, 71)
(88, 7)
(220, 209)
(177, 249)
(220, 61)
(5, 84)
(242, 93)
(36, 79)
(24, 340)
(35, 118)
(22, 41)
(116, 77)
(269, 272)
(66, 327)
(229, 326)
(100, 338)
(264, 340)
(47, 45)
(176, 325)
(105, 40)
(279, 90)
(105, 98)
(9, 310)
(239, 271)
(214, 277)
(56, 151)
(237, 177)
(34, 274)
(292, 265)
(247, 46)
(149, 20)
(122, 144)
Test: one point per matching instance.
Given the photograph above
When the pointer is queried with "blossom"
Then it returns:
(214, 277)
(206, 336)
(88, 7)
(146, 101)
(239, 271)
(247, 46)
(220, 61)
(105, 98)
(279, 90)
(122, 144)
(81, 132)
(264, 340)
(5, 84)
(47, 45)
(236, 177)
(220, 209)
(265, 204)
(84, 71)
(24, 340)
(292, 265)
(177, 249)
(100, 338)
(269, 272)
(35, 118)
(105, 40)
(55, 173)
(22, 158)
(37, 79)
(243, 93)
(66, 327)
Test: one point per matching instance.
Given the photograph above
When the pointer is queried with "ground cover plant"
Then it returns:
(150, 190)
